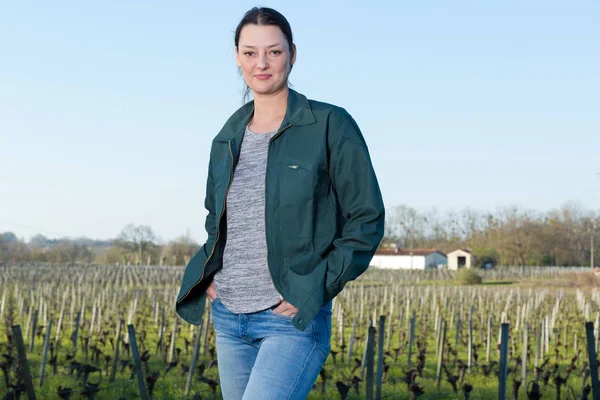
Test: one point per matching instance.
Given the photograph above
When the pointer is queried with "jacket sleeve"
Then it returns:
(196, 264)
(209, 203)
(361, 203)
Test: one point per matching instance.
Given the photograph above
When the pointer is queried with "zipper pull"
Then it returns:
(293, 166)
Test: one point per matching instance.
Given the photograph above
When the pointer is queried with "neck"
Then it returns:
(270, 106)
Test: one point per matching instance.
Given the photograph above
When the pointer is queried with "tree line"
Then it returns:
(506, 236)
(135, 245)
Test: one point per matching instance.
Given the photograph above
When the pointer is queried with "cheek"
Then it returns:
(280, 66)
(283, 64)
(247, 67)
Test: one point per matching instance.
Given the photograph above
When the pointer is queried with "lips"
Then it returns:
(262, 77)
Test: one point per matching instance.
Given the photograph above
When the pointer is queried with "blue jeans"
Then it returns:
(262, 356)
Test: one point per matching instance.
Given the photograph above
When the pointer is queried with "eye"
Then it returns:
(277, 52)
(249, 53)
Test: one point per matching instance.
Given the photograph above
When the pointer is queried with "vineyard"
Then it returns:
(87, 331)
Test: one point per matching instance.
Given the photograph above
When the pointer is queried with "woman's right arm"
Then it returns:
(193, 270)
(209, 203)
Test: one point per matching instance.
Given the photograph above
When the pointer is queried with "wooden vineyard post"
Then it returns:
(363, 363)
(503, 361)
(352, 336)
(156, 307)
(60, 318)
(137, 363)
(23, 361)
(438, 335)
(543, 338)
(489, 341)
(524, 356)
(538, 346)
(370, 361)
(340, 330)
(362, 303)
(512, 346)
(205, 339)
(35, 318)
(27, 326)
(547, 336)
(117, 347)
(593, 359)
(411, 338)
(436, 321)
(161, 338)
(172, 344)
(45, 352)
(400, 319)
(441, 354)
(75, 333)
(390, 331)
(470, 350)
(380, 359)
(457, 331)
(188, 383)
(342, 338)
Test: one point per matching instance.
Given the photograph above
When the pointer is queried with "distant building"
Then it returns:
(460, 258)
(394, 258)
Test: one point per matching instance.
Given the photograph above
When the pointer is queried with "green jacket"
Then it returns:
(324, 213)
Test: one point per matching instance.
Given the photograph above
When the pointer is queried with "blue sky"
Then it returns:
(107, 109)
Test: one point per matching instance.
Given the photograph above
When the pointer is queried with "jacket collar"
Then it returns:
(298, 113)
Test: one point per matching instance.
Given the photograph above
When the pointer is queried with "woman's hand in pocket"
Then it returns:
(211, 293)
(285, 308)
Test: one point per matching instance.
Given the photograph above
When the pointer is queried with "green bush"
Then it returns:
(467, 276)
(485, 256)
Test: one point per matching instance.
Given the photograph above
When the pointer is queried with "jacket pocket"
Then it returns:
(304, 281)
(305, 263)
(305, 209)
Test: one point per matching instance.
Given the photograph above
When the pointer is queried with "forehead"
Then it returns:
(261, 35)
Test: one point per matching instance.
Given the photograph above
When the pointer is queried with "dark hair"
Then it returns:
(265, 16)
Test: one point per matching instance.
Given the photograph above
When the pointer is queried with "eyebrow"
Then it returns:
(253, 47)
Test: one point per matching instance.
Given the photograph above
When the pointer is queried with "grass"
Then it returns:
(575, 280)
(491, 283)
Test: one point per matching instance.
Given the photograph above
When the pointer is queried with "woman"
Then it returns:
(295, 212)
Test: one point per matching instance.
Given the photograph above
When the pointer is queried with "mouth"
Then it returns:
(262, 76)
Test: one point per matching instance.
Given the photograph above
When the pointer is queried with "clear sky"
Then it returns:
(108, 108)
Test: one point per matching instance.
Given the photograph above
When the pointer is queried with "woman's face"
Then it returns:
(264, 57)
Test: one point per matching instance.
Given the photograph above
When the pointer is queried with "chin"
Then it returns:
(267, 88)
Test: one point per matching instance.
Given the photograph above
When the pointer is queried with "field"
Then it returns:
(93, 305)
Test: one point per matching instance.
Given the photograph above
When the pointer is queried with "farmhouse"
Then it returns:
(395, 258)
(460, 258)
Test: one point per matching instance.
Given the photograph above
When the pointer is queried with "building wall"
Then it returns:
(453, 259)
(433, 260)
(398, 262)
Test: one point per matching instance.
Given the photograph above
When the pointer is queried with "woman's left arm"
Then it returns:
(361, 203)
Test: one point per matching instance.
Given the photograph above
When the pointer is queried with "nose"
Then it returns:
(262, 61)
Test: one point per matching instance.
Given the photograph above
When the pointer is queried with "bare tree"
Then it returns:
(137, 239)
(181, 249)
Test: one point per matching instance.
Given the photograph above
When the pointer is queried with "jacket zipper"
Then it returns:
(218, 226)
(268, 267)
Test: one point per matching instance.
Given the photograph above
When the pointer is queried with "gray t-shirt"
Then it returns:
(244, 284)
